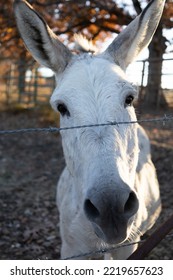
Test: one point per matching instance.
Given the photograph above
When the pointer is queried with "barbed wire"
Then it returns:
(103, 250)
(110, 249)
(162, 120)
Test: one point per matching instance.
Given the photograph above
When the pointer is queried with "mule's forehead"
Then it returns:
(91, 75)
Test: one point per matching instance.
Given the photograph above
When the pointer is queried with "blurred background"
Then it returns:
(23, 81)
(31, 164)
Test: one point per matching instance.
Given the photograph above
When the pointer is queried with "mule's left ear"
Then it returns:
(136, 36)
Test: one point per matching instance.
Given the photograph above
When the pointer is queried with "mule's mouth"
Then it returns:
(111, 235)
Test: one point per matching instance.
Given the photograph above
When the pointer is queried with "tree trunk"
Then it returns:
(22, 67)
(154, 94)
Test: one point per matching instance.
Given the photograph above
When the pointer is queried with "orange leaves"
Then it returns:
(93, 18)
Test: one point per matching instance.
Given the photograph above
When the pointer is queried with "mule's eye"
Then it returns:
(129, 100)
(62, 108)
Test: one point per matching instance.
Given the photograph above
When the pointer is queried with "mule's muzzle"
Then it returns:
(111, 212)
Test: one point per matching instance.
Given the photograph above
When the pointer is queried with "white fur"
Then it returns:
(101, 153)
(108, 192)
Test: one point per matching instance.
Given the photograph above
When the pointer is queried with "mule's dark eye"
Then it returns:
(129, 100)
(62, 108)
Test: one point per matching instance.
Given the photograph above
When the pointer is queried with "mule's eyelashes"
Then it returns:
(129, 100)
(62, 108)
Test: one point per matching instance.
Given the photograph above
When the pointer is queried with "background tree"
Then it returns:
(154, 95)
(93, 18)
(96, 19)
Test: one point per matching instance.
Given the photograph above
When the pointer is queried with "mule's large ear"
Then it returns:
(136, 36)
(39, 39)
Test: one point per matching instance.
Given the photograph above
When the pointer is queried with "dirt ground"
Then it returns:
(30, 165)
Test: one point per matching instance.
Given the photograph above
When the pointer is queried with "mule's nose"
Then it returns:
(127, 207)
(110, 211)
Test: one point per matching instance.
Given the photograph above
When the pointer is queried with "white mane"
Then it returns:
(82, 44)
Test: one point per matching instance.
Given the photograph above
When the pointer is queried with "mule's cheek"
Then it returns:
(71, 152)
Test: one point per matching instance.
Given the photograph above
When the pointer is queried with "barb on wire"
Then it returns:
(111, 249)
(104, 250)
(163, 120)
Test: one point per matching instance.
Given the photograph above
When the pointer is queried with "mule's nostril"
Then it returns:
(131, 204)
(90, 210)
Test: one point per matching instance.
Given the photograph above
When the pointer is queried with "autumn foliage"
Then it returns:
(96, 19)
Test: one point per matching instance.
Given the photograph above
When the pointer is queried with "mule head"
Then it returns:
(93, 89)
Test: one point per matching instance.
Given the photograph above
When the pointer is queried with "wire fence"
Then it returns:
(32, 86)
(162, 120)
(27, 86)
(103, 251)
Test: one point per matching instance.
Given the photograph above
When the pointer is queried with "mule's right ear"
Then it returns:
(39, 39)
